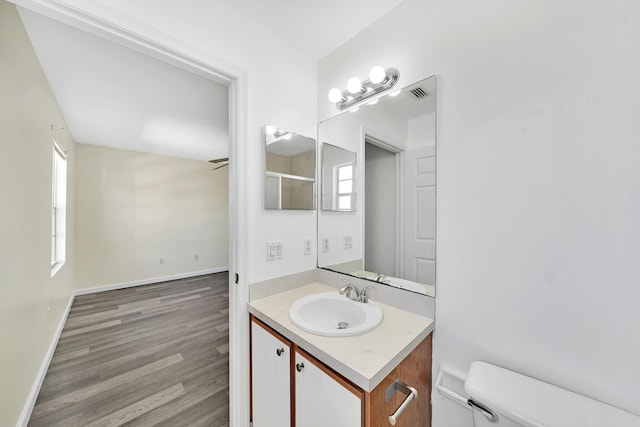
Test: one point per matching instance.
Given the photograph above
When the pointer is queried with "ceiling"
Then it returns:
(113, 96)
(315, 27)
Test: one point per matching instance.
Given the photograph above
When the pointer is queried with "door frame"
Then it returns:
(105, 23)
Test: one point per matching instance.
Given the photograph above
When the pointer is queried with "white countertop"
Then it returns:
(363, 359)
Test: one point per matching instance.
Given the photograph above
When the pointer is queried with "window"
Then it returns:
(58, 209)
(344, 187)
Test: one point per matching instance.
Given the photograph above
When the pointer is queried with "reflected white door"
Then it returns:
(420, 215)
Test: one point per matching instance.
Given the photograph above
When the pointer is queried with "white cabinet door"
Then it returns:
(271, 379)
(321, 401)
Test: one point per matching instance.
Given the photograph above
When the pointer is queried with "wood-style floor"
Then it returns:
(144, 356)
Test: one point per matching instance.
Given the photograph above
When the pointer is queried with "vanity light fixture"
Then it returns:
(380, 80)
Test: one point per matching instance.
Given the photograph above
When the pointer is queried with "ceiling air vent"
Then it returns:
(419, 93)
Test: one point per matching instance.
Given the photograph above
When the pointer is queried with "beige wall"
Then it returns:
(295, 194)
(27, 110)
(304, 164)
(135, 208)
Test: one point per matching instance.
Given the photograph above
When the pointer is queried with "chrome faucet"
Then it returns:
(380, 278)
(352, 292)
(348, 289)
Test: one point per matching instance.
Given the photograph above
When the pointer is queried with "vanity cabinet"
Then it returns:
(289, 387)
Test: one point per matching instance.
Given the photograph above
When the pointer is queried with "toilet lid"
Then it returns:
(534, 403)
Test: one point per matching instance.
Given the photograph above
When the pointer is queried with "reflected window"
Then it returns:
(344, 187)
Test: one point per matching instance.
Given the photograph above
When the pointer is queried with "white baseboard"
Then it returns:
(37, 384)
(149, 281)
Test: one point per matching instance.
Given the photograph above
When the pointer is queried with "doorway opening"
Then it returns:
(382, 200)
(168, 50)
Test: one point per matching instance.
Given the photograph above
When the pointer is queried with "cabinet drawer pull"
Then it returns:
(280, 351)
(299, 367)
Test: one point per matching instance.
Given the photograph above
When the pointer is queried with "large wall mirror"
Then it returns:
(389, 234)
(290, 170)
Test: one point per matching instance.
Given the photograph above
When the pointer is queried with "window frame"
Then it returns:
(58, 207)
(337, 194)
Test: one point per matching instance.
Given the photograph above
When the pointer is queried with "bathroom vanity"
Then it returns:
(302, 379)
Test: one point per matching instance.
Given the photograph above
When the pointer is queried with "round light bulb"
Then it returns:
(353, 85)
(335, 95)
(377, 74)
(395, 93)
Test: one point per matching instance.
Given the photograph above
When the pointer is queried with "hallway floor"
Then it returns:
(144, 356)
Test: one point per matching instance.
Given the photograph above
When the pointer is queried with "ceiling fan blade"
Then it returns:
(224, 159)
(221, 166)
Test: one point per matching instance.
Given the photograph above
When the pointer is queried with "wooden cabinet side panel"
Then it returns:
(415, 371)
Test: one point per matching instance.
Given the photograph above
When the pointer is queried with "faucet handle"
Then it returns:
(347, 288)
(364, 293)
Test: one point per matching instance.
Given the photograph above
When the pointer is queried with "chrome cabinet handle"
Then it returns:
(299, 367)
(411, 393)
(280, 351)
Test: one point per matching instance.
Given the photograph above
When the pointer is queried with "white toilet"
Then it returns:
(503, 398)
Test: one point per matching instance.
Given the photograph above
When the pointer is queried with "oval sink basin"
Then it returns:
(333, 315)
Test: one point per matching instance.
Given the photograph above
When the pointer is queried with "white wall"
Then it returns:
(421, 131)
(283, 96)
(134, 208)
(27, 111)
(537, 204)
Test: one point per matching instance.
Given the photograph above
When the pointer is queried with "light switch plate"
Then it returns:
(325, 244)
(307, 246)
(274, 250)
(348, 241)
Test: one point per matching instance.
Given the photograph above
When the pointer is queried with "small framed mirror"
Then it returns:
(290, 170)
(338, 179)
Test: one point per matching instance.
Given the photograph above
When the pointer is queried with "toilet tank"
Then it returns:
(519, 400)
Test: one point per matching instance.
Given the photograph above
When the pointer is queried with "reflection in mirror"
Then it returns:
(389, 237)
(338, 179)
(290, 170)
